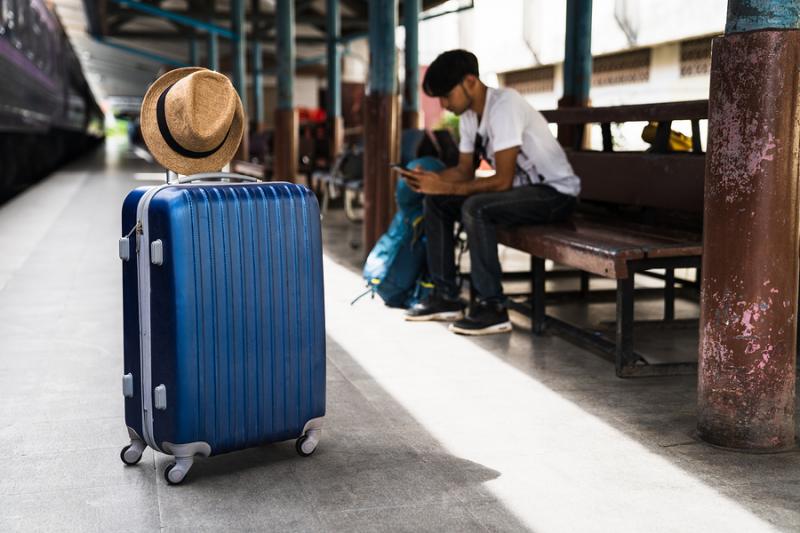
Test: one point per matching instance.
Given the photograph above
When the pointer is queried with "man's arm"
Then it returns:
(461, 172)
(433, 183)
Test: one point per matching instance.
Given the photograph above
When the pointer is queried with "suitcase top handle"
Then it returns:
(215, 176)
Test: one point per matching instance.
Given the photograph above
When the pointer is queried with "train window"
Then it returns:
(11, 19)
(7, 15)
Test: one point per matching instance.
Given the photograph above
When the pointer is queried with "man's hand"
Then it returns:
(425, 181)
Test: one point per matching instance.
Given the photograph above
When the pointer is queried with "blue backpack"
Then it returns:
(396, 266)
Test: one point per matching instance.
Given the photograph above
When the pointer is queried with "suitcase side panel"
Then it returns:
(130, 312)
(238, 319)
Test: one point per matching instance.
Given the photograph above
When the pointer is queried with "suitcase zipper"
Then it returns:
(145, 353)
(142, 231)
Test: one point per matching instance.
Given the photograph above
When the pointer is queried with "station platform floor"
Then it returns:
(425, 430)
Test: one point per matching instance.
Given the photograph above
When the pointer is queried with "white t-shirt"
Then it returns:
(508, 121)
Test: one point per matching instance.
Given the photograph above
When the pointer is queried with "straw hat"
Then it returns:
(192, 120)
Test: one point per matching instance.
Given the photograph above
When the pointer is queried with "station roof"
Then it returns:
(103, 32)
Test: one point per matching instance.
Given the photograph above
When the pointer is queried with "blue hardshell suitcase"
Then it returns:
(224, 326)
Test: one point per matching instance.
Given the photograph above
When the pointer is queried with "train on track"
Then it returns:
(48, 114)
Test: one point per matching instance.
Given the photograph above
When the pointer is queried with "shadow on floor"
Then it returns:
(376, 468)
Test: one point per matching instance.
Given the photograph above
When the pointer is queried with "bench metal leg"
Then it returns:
(472, 295)
(584, 283)
(624, 357)
(669, 294)
(537, 295)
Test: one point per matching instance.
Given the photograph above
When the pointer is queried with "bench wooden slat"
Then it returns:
(599, 247)
(678, 250)
(688, 110)
(622, 235)
(561, 243)
(666, 181)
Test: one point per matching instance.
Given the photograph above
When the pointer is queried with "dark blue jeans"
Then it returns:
(481, 214)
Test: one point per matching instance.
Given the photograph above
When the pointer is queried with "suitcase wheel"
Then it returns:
(132, 453)
(306, 444)
(176, 472)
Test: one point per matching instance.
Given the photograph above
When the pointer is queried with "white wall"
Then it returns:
(502, 32)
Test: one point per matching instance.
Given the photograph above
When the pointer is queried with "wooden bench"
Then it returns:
(638, 211)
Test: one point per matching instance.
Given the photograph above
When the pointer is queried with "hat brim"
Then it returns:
(159, 148)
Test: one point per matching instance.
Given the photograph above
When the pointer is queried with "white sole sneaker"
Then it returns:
(447, 316)
(502, 327)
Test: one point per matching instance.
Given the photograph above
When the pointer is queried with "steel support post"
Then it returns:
(623, 355)
(411, 9)
(213, 52)
(193, 56)
(258, 69)
(380, 124)
(669, 294)
(286, 120)
(239, 63)
(577, 66)
(538, 295)
(748, 324)
(334, 59)
(239, 67)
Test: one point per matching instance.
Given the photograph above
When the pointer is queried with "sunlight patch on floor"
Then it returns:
(560, 468)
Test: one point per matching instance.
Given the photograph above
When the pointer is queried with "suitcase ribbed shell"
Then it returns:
(237, 314)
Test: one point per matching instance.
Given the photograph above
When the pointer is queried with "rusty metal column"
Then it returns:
(411, 10)
(380, 124)
(748, 324)
(286, 120)
(577, 66)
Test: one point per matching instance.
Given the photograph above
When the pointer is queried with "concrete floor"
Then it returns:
(425, 431)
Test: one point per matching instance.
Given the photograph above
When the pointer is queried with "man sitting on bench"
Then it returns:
(533, 184)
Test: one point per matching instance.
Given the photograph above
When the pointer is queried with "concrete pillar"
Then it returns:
(411, 10)
(380, 121)
(748, 323)
(577, 66)
(334, 59)
(286, 120)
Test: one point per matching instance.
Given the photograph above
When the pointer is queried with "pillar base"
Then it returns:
(748, 322)
(285, 141)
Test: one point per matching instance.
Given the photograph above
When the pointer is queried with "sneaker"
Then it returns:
(434, 307)
(484, 318)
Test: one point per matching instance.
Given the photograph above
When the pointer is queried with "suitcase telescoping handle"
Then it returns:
(215, 176)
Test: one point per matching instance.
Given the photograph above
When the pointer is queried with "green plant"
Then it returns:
(449, 121)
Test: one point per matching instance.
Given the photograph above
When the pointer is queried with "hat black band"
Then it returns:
(161, 117)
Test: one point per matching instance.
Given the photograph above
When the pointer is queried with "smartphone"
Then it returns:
(398, 166)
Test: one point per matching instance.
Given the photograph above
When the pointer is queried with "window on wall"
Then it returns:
(696, 57)
(531, 81)
(618, 69)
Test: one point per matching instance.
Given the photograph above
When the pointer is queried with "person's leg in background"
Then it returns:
(440, 216)
(482, 213)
